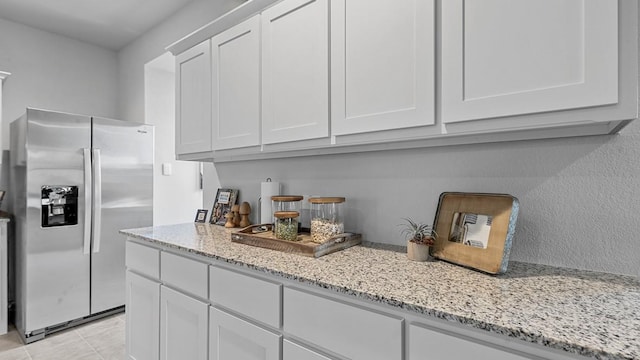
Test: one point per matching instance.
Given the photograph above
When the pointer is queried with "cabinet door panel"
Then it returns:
(142, 259)
(382, 65)
(188, 275)
(237, 339)
(238, 292)
(433, 345)
(503, 57)
(236, 86)
(292, 351)
(295, 71)
(143, 318)
(184, 326)
(193, 100)
(350, 331)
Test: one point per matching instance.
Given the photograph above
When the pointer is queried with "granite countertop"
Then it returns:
(588, 313)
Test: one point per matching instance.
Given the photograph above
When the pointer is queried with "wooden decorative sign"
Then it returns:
(475, 230)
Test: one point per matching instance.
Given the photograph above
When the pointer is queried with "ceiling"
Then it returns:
(111, 24)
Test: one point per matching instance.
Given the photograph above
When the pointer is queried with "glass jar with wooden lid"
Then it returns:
(286, 203)
(286, 225)
(327, 218)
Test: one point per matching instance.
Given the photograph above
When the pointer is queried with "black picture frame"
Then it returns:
(201, 216)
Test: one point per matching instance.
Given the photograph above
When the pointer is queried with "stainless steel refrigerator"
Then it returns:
(76, 181)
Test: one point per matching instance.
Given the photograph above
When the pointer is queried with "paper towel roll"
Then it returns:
(267, 190)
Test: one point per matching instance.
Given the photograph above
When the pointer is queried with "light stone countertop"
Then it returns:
(588, 313)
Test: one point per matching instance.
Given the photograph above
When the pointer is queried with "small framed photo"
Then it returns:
(225, 199)
(475, 230)
(201, 215)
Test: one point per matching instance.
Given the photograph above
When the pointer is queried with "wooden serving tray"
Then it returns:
(262, 236)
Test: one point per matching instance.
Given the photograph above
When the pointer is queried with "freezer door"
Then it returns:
(123, 199)
(52, 266)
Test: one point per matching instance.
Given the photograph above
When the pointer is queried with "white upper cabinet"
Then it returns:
(382, 65)
(505, 57)
(235, 57)
(193, 100)
(295, 71)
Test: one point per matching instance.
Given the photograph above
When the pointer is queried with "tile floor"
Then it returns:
(99, 340)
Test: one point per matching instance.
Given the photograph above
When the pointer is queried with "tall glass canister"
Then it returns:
(327, 218)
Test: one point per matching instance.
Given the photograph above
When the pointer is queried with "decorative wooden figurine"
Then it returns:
(245, 210)
(235, 210)
(229, 223)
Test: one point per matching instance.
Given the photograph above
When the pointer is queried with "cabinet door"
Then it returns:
(292, 351)
(350, 331)
(183, 326)
(143, 318)
(295, 71)
(504, 57)
(234, 338)
(427, 344)
(382, 65)
(235, 57)
(193, 100)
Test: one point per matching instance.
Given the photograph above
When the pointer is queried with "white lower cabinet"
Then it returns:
(428, 344)
(293, 351)
(184, 326)
(349, 331)
(252, 316)
(143, 320)
(232, 338)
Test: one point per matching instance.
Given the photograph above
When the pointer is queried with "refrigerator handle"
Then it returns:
(87, 202)
(97, 200)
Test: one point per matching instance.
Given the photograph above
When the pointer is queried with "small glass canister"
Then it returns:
(286, 225)
(327, 218)
(286, 203)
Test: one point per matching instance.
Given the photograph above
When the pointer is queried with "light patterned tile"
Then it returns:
(10, 340)
(53, 341)
(108, 342)
(74, 349)
(14, 354)
(105, 325)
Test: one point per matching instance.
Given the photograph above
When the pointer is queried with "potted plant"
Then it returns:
(420, 238)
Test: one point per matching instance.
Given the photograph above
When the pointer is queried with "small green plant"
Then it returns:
(418, 233)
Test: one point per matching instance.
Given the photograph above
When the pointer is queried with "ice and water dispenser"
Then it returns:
(59, 205)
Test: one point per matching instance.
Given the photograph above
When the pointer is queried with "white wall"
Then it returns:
(579, 196)
(53, 72)
(176, 197)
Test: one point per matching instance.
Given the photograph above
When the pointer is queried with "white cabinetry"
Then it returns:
(183, 326)
(360, 75)
(235, 57)
(293, 351)
(349, 331)
(238, 292)
(234, 338)
(295, 71)
(193, 100)
(142, 302)
(143, 320)
(504, 58)
(442, 346)
(382, 65)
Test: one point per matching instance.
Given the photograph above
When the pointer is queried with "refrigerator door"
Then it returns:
(52, 262)
(123, 199)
